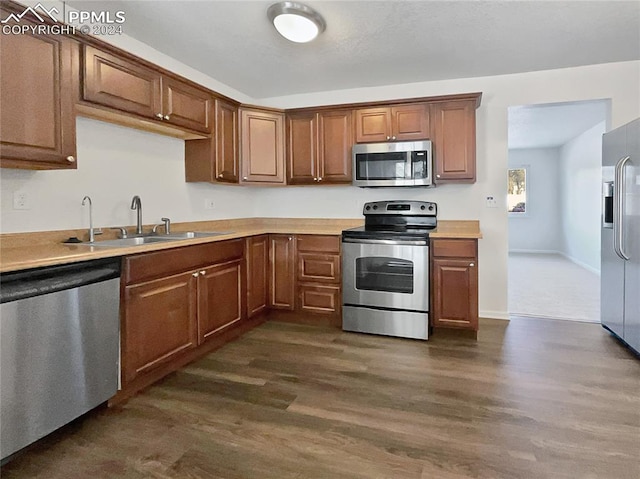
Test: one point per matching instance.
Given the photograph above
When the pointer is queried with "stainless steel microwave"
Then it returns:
(406, 163)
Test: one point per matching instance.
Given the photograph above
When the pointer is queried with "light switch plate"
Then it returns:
(21, 200)
(209, 204)
(492, 202)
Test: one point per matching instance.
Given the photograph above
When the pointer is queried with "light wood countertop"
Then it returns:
(31, 250)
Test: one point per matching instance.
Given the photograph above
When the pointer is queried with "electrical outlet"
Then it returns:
(492, 202)
(209, 204)
(21, 200)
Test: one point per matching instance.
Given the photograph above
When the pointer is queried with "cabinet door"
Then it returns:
(257, 252)
(453, 124)
(302, 148)
(319, 298)
(186, 106)
(118, 83)
(262, 146)
(38, 127)
(159, 323)
(219, 298)
(314, 267)
(410, 122)
(226, 135)
(335, 142)
(282, 272)
(455, 293)
(373, 124)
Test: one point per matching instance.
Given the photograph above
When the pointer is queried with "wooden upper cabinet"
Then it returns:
(335, 139)
(186, 106)
(121, 84)
(319, 147)
(262, 146)
(130, 87)
(453, 126)
(226, 137)
(37, 120)
(394, 123)
(302, 148)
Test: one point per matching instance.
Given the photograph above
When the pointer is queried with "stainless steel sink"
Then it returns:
(142, 240)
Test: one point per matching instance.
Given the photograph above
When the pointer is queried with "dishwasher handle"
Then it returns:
(51, 279)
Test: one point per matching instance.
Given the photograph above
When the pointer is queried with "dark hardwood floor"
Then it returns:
(531, 398)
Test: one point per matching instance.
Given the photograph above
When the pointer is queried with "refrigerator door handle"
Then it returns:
(618, 208)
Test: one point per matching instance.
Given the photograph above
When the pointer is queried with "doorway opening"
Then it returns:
(554, 178)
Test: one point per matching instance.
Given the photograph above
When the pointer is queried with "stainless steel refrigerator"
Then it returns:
(620, 238)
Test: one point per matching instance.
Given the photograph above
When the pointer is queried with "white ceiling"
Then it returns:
(371, 43)
(552, 125)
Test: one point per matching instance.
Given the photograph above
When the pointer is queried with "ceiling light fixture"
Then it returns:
(296, 22)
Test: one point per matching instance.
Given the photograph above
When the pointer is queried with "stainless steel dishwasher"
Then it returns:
(59, 347)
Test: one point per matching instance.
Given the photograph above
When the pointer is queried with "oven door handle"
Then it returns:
(385, 241)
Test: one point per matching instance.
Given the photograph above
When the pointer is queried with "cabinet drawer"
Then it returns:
(319, 267)
(321, 243)
(463, 248)
(317, 298)
(147, 266)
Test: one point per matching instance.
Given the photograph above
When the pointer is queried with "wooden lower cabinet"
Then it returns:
(159, 323)
(319, 298)
(219, 298)
(454, 280)
(318, 274)
(257, 259)
(282, 272)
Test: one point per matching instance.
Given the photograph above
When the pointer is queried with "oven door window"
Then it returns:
(390, 275)
(382, 166)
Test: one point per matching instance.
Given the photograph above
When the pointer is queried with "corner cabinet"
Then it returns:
(37, 123)
(394, 123)
(319, 147)
(262, 146)
(454, 283)
(453, 133)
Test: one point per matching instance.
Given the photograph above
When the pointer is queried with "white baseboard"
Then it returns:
(581, 264)
(535, 251)
(494, 314)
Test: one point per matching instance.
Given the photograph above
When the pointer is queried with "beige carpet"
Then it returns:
(551, 286)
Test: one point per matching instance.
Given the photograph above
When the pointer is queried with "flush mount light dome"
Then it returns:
(296, 22)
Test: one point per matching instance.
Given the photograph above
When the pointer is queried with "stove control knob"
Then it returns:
(422, 207)
(375, 207)
(368, 208)
(430, 207)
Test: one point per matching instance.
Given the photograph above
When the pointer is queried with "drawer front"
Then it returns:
(320, 243)
(323, 268)
(464, 248)
(147, 266)
(315, 298)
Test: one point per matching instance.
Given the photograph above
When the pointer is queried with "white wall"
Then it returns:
(580, 186)
(115, 163)
(539, 229)
(157, 173)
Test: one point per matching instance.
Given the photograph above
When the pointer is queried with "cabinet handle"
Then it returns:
(437, 176)
(166, 117)
(315, 179)
(159, 115)
(320, 179)
(220, 175)
(71, 159)
(244, 178)
(393, 137)
(195, 275)
(388, 137)
(290, 238)
(202, 273)
(471, 264)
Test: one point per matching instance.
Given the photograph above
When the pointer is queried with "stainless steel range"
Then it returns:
(385, 268)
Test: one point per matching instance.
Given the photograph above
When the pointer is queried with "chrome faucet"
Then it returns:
(92, 231)
(136, 204)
